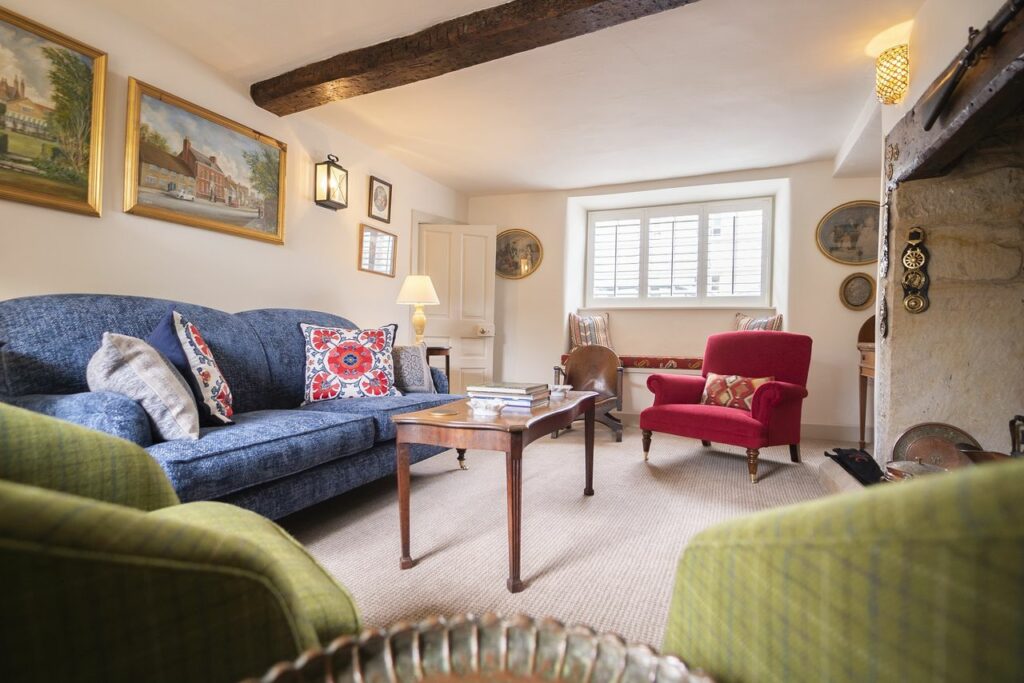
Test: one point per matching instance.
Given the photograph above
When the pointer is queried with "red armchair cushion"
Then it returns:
(712, 423)
(731, 391)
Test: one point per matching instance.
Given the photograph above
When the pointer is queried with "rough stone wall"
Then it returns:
(962, 360)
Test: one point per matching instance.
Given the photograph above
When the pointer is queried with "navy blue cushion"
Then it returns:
(103, 411)
(381, 408)
(261, 446)
(440, 380)
(285, 347)
(164, 338)
(46, 342)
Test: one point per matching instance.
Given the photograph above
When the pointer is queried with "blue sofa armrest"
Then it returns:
(440, 380)
(103, 411)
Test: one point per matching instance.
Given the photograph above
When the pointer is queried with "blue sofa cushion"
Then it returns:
(103, 411)
(285, 348)
(381, 409)
(46, 342)
(260, 447)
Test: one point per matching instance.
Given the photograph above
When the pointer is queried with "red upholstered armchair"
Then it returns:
(774, 418)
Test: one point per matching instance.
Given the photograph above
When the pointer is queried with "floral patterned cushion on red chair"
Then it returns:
(731, 391)
(342, 363)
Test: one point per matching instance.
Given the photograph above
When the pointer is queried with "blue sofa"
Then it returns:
(278, 457)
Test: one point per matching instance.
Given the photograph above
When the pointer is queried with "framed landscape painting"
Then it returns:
(188, 165)
(51, 117)
(849, 233)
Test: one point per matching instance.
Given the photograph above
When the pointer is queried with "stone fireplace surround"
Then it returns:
(961, 361)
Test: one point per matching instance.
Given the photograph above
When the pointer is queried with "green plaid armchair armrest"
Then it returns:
(53, 454)
(916, 581)
(99, 592)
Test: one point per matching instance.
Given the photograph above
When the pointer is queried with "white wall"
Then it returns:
(46, 251)
(939, 34)
(531, 326)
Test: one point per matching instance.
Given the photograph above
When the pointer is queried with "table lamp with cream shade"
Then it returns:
(418, 291)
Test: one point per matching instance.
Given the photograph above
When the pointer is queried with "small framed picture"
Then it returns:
(857, 291)
(377, 251)
(380, 199)
(518, 254)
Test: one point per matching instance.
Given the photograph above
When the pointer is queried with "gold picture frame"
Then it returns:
(371, 259)
(848, 234)
(519, 254)
(50, 155)
(857, 292)
(221, 182)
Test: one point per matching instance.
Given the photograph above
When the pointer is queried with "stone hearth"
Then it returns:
(962, 360)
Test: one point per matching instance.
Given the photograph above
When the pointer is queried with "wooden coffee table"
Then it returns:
(454, 425)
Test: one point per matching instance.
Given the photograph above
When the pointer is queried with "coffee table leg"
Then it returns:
(588, 439)
(514, 489)
(402, 450)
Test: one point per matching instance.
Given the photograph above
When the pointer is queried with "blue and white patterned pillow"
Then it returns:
(412, 372)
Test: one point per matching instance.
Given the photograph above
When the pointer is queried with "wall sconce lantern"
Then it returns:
(892, 74)
(331, 187)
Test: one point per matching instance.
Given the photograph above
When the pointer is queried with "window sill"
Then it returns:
(737, 307)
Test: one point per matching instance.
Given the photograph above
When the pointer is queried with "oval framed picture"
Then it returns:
(848, 234)
(857, 291)
(519, 254)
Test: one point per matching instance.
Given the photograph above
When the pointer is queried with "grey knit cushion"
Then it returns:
(412, 373)
(132, 367)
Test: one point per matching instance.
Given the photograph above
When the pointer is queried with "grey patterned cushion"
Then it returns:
(130, 366)
(412, 372)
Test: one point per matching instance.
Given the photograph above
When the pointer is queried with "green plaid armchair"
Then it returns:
(106, 577)
(917, 581)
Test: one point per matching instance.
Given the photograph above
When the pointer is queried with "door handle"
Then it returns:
(485, 330)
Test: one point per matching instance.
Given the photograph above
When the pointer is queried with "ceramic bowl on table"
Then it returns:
(559, 391)
(485, 407)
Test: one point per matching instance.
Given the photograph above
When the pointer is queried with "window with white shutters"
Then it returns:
(709, 254)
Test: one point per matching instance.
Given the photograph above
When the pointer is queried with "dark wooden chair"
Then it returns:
(595, 368)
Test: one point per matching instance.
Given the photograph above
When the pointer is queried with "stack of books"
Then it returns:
(512, 394)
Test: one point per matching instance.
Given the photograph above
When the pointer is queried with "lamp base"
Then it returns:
(419, 322)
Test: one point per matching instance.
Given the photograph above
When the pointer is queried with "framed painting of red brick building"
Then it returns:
(188, 165)
(51, 117)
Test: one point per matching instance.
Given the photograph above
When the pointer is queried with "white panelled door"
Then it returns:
(460, 261)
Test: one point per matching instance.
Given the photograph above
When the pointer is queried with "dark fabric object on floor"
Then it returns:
(859, 464)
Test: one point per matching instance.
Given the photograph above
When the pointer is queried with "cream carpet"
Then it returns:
(607, 561)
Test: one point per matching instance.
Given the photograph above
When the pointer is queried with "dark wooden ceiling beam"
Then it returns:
(472, 39)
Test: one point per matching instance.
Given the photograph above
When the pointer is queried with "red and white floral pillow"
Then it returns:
(343, 363)
(731, 391)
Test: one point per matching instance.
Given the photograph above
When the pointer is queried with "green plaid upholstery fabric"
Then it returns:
(312, 592)
(42, 451)
(917, 581)
(96, 591)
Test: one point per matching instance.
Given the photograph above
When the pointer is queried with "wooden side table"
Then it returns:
(445, 351)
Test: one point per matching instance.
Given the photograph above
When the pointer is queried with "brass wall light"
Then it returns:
(330, 188)
(892, 74)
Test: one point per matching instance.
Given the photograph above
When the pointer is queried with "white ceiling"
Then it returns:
(720, 85)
